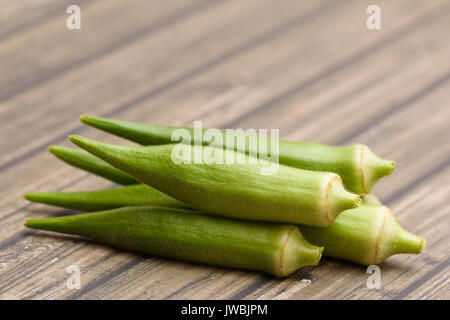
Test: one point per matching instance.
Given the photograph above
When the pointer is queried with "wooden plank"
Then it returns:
(47, 59)
(319, 82)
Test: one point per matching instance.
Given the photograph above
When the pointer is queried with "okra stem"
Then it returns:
(357, 165)
(234, 190)
(86, 161)
(185, 235)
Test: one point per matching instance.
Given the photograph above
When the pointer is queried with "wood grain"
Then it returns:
(310, 68)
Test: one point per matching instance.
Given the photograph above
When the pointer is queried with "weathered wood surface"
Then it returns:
(310, 68)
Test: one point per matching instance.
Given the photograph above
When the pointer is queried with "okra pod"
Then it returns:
(355, 235)
(233, 190)
(366, 235)
(356, 164)
(182, 234)
(86, 161)
(127, 196)
(138, 195)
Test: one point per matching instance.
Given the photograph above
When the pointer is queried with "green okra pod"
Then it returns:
(138, 195)
(357, 165)
(353, 236)
(127, 196)
(86, 161)
(367, 235)
(234, 190)
(185, 235)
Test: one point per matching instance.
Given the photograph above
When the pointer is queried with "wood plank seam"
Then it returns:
(94, 284)
(417, 182)
(189, 285)
(55, 284)
(418, 283)
(250, 289)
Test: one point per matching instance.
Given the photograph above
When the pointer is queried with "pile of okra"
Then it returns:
(228, 213)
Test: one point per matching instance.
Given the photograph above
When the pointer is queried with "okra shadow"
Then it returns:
(386, 266)
(52, 212)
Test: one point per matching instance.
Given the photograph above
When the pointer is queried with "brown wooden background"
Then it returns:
(310, 68)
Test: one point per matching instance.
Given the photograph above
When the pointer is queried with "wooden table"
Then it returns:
(310, 68)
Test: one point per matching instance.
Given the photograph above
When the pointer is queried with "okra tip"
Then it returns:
(57, 150)
(66, 154)
(32, 196)
(84, 117)
(43, 224)
(64, 224)
(79, 141)
(51, 198)
(92, 146)
(28, 224)
(90, 120)
(95, 122)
